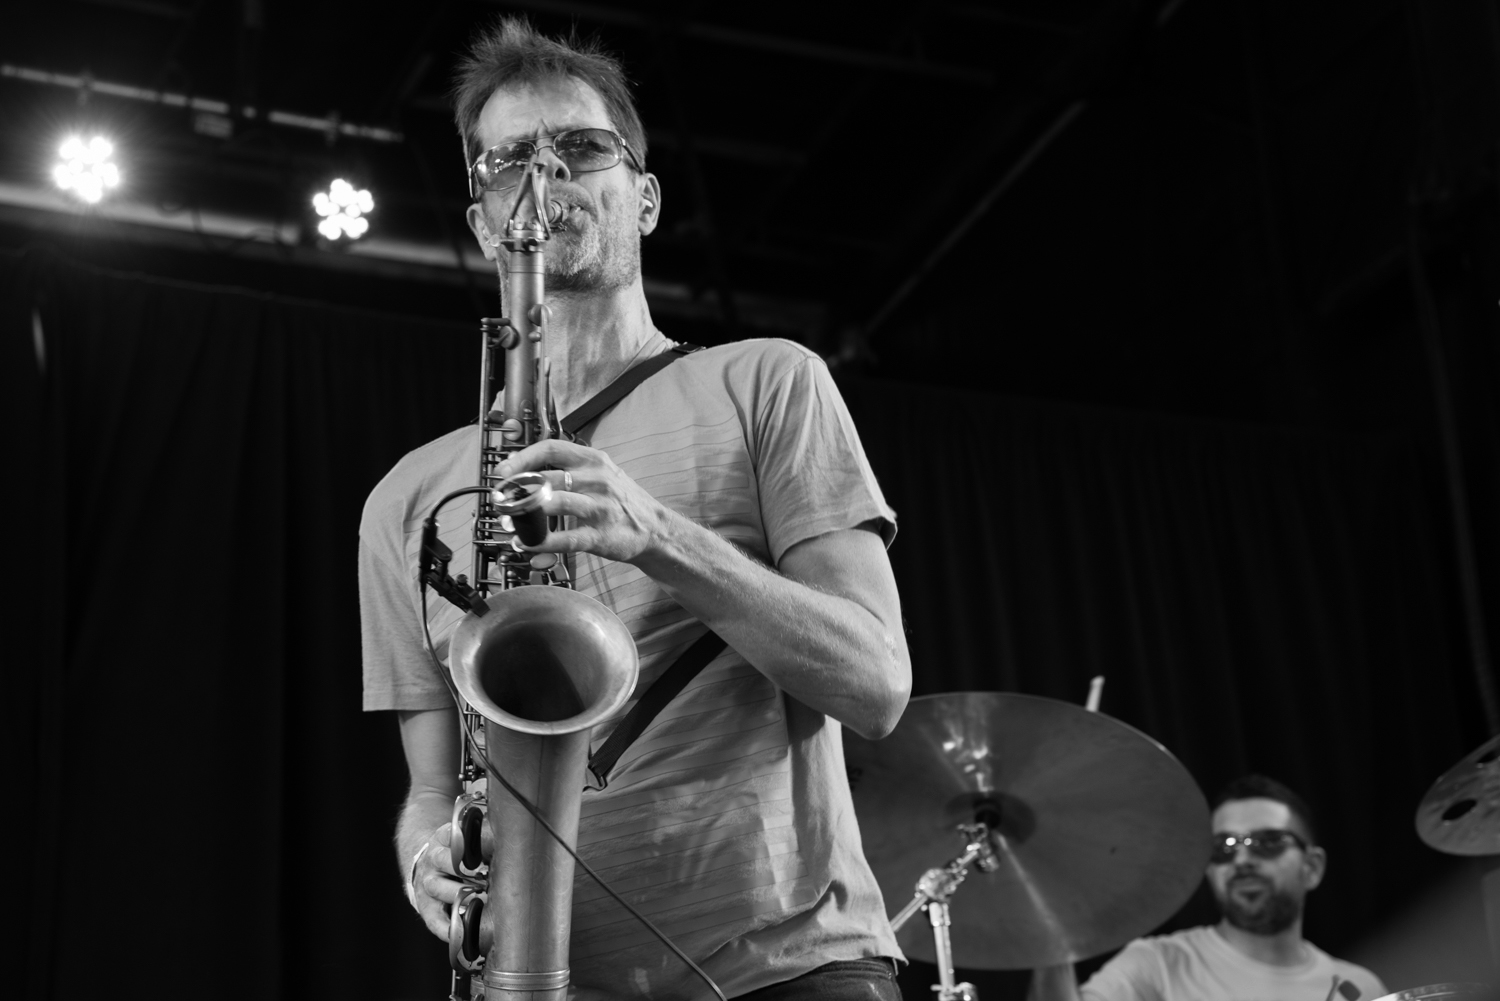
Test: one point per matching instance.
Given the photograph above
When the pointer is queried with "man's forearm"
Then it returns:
(830, 652)
(430, 741)
(422, 814)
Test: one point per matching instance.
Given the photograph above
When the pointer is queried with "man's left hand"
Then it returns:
(614, 516)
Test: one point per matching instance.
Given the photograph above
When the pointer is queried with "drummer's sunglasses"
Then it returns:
(1270, 843)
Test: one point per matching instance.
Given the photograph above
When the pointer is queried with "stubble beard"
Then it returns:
(1272, 914)
(595, 255)
(585, 262)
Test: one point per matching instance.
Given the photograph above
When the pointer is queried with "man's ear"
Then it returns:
(650, 203)
(1315, 865)
(489, 243)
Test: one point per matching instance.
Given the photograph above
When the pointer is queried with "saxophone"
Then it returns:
(537, 665)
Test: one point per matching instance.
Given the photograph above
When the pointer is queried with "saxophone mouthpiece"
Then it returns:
(556, 211)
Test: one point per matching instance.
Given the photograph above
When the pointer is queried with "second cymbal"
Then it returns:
(1460, 814)
(1102, 834)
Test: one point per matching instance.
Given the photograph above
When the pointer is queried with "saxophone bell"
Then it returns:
(543, 666)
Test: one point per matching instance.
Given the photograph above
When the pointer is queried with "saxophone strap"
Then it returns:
(708, 646)
(672, 681)
(616, 391)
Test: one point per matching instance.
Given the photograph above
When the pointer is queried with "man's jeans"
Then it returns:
(846, 980)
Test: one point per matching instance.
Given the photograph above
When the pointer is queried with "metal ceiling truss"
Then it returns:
(1093, 50)
(757, 41)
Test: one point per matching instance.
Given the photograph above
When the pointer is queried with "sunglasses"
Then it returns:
(1270, 843)
(581, 150)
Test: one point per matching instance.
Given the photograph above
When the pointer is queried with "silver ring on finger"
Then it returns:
(567, 481)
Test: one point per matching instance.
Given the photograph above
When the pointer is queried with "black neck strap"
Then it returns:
(621, 387)
(708, 646)
(673, 680)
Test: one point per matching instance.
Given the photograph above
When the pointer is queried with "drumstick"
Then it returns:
(1344, 987)
(1096, 689)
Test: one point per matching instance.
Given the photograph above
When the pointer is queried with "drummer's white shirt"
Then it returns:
(1199, 965)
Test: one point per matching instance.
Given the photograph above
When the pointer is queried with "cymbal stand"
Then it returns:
(933, 892)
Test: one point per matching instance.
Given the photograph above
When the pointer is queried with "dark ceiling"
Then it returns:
(798, 144)
(1154, 204)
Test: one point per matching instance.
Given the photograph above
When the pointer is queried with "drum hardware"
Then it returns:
(1081, 832)
(933, 891)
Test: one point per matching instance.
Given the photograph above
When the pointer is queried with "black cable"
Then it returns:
(479, 755)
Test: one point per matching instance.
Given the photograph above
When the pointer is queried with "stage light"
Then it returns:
(343, 208)
(87, 169)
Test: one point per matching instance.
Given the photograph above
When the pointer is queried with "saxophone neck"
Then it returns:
(532, 214)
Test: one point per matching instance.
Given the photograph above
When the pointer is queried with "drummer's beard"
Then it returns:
(1269, 912)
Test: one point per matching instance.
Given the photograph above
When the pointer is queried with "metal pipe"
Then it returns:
(1035, 150)
(1058, 126)
(330, 125)
(754, 40)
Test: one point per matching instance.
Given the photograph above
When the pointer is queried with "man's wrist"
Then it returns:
(411, 874)
(666, 541)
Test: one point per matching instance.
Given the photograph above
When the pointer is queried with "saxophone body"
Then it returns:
(537, 665)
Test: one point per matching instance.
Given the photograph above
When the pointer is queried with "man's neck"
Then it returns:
(592, 338)
(1285, 948)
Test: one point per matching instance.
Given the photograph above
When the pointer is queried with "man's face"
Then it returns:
(597, 245)
(1262, 896)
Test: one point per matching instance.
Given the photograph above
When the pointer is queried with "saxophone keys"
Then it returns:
(466, 841)
(466, 951)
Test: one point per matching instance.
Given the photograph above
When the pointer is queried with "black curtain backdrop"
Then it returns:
(200, 804)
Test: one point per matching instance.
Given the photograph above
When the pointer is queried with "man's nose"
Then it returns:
(1245, 864)
(556, 169)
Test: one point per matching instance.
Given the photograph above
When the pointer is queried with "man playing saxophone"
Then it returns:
(728, 492)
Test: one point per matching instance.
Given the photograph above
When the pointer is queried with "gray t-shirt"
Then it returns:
(1199, 965)
(729, 821)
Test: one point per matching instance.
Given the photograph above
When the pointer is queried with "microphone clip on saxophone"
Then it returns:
(433, 571)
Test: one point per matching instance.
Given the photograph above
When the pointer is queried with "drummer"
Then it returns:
(1265, 861)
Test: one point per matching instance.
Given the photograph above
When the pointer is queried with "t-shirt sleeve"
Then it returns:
(398, 673)
(1132, 975)
(811, 470)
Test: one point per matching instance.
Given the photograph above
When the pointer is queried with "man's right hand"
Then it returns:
(435, 885)
(430, 739)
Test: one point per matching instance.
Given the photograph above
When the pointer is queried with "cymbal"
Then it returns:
(1460, 814)
(1443, 992)
(1102, 833)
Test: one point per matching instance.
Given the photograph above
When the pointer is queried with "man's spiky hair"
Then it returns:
(511, 53)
